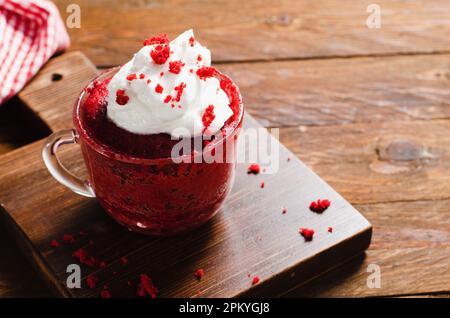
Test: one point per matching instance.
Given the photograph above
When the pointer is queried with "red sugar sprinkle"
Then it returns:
(160, 53)
(179, 89)
(167, 99)
(319, 206)
(191, 70)
(121, 97)
(92, 281)
(199, 273)
(54, 243)
(199, 58)
(330, 229)
(124, 260)
(141, 76)
(307, 234)
(262, 184)
(149, 81)
(191, 41)
(159, 89)
(208, 116)
(131, 77)
(206, 72)
(175, 67)
(68, 239)
(255, 280)
(254, 168)
(146, 287)
(105, 294)
(161, 74)
(159, 39)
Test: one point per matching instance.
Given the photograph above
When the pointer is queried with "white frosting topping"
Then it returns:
(148, 111)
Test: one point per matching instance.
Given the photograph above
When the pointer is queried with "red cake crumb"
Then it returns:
(319, 206)
(146, 287)
(206, 72)
(199, 58)
(307, 234)
(255, 280)
(179, 89)
(161, 74)
(330, 229)
(175, 67)
(131, 77)
(124, 260)
(102, 264)
(191, 70)
(149, 81)
(129, 283)
(284, 210)
(167, 99)
(262, 185)
(159, 89)
(191, 41)
(105, 294)
(160, 53)
(254, 168)
(199, 273)
(68, 239)
(141, 76)
(159, 39)
(54, 243)
(83, 258)
(92, 281)
(208, 116)
(121, 97)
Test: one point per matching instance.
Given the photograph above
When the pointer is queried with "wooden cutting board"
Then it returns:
(249, 237)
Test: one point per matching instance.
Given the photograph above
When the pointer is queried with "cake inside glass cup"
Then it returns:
(138, 114)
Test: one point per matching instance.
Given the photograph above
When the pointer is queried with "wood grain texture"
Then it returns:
(378, 162)
(52, 94)
(344, 91)
(111, 30)
(249, 236)
(411, 244)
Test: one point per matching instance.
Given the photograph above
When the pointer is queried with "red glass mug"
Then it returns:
(152, 196)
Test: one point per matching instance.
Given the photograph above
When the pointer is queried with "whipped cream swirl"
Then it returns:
(159, 91)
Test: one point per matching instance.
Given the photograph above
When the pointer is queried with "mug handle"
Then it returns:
(57, 170)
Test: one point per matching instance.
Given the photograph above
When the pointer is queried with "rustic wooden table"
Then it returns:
(367, 109)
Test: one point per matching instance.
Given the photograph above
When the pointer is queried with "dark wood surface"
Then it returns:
(249, 236)
(364, 108)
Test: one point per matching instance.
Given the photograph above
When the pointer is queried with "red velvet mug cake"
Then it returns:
(158, 136)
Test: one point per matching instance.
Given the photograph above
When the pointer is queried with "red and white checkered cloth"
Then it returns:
(31, 31)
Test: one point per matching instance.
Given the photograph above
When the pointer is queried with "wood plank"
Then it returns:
(52, 94)
(253, 30)
(411, 244)
(378, 162)
(343, 91)
(234, 244)
(249, 235)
